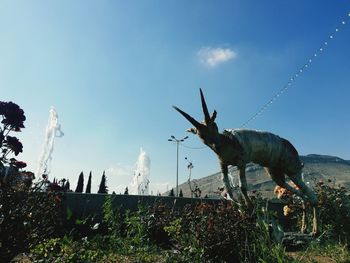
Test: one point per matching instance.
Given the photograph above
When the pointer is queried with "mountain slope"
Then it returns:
(316, 168)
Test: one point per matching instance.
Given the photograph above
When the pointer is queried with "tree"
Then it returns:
(88, 186)
(80, 185)
(103, 187)
(11, 120)
(67, 186)
(181, 193)
(126, 192)
(172, 192)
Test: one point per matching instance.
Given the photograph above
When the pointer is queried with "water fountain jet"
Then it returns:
(140, 182)
(53, 130)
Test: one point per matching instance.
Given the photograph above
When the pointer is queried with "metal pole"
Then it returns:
(177, 168)
(173, 139)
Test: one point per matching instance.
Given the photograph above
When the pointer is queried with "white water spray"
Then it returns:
(53, 130)
(140, 182)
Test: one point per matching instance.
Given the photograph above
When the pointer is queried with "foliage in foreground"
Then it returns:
(26, 218)
(196, 233)
(328, 252)
(199, 233)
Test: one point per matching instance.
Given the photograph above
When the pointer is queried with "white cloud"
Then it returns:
(118, 177)
(215, 56)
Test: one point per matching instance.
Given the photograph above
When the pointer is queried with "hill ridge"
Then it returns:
(316, 167)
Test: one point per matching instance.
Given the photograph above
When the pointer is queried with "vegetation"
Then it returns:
(88, 186)
(103, 185)
(26, 219)
(34, 223)
(181, 193)
(197, 233)
(80, 184)
(161, 233)
(26, 216)
(171, 193)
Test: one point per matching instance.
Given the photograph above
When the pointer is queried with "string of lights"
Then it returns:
(300, 70)
(193, 148)
(293, 78)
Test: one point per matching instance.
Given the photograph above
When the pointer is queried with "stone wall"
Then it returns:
(82, 205)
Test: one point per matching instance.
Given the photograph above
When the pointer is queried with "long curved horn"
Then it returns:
(205, 108)
(188, 117)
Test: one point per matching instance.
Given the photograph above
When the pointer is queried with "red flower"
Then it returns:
(14, 144)
(20, 164)
(13, 115)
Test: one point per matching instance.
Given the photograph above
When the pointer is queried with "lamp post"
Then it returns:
(173, 139)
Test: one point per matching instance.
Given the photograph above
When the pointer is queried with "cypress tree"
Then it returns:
(88, 186)
(67, 186)
(172, 192)
(103, 187)
(80, 185)
(126, 192)
(181, 193)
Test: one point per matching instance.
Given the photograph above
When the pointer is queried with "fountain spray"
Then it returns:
(140, 182)
(53, 130)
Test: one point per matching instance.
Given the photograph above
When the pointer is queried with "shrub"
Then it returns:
(27, 218)
(334, 211)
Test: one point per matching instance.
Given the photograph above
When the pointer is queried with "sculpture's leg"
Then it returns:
(311, 197)
(226, 180)
(314, 221)
(307, 191)
(243, 186)
(293, 190)
(303, 219)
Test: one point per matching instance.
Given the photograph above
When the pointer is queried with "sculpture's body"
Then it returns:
(239, 147)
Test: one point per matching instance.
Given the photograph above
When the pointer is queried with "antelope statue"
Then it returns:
(238, 147)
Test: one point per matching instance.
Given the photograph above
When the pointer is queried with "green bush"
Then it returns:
(334, 211)
(197, 233)
(27, 218)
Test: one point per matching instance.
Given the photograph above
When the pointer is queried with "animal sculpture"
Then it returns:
(238, 147)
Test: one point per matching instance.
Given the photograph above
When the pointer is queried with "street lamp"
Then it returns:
(173, 139)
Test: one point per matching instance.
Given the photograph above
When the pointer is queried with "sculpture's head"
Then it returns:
(207, 130)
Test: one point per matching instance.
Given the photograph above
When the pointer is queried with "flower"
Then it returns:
(13, 115)
(20, 164)
(14, 144)
(282, 192)
(286, 210)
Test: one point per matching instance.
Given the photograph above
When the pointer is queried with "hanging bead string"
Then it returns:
(300, 70)
(193, 148)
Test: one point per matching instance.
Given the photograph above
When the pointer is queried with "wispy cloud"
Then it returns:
(214, 56)
(119, 176)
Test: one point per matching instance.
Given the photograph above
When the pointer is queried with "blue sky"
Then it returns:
(113, 69)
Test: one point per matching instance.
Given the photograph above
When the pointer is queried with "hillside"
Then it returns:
(316, 168)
